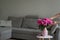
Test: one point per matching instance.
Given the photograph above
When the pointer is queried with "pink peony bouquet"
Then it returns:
(45, 22)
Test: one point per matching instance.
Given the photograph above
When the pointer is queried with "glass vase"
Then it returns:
(45, 32)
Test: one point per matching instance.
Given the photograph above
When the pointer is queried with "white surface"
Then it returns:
(48, 36)
(43, 8)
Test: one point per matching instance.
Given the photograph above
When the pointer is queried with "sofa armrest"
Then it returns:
(54, 28)
(59, 27)
(57, 34)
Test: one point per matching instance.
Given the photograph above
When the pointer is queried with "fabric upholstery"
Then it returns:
(31, 16)
(25, 33)
(30, 23)
(57, 34)
(24, 30)
(16, 21)
(27, 27)
(53, 29)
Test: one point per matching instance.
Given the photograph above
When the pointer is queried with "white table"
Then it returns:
(42, 37)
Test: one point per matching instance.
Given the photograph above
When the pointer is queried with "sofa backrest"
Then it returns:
(30, 22)
(16, 21)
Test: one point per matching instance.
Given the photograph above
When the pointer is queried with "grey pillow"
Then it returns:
(30, 23)
(53, 29)
(16, 21)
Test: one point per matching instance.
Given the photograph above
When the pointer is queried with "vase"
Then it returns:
(45, 32)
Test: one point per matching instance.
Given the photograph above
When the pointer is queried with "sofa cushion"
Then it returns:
(26, 31)
(16, 21)
(30, 23)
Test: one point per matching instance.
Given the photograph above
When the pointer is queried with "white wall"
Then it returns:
(43, 8)
(0, 8)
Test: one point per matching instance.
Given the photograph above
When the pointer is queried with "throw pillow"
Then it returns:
(16, 21)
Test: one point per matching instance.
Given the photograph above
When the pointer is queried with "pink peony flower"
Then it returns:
(39, 21)
(45, 22)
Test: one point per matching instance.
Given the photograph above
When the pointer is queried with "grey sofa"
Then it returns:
(57, 34)
(27, 27)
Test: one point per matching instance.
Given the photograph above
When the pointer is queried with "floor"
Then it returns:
(15, 39)
(11, 39)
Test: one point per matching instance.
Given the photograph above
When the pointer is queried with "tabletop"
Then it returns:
(48, 36)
